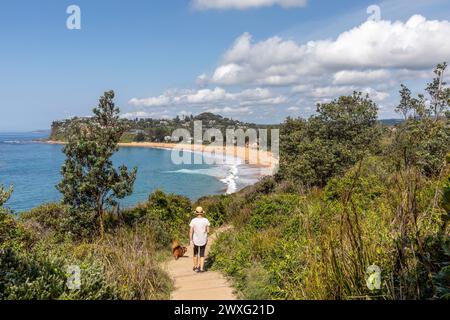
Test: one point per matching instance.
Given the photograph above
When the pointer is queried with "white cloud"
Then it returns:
(373, 58)
(202, 80)
(368, 49)
(375, 95)
(229, 110)
(244, 4)
(216, 96)
(144, 114)
(182, 97)
(328, 93)
(302, 88)
(150, 102)
(348, 77)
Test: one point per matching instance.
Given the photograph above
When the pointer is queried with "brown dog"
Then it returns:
(177, 250)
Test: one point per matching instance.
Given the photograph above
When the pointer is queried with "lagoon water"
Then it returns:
(33, 168)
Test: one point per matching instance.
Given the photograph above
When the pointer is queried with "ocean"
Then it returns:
(33, 168)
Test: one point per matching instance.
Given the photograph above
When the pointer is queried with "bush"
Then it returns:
(46, 220)
(168, 214)
(61, 222)
(12, 234)
(319, 245)
(421, 143)
(215, 208)
(131, 262)
(44, 277)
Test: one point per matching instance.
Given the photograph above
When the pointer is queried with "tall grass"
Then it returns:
(131, 262)
(319, 245)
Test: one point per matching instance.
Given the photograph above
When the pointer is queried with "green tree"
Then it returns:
(439, 94)
(423, 141)
(409, 104)
(327, 144)
(90, 183)
(140, 137)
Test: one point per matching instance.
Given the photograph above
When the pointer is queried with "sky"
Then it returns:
(253, 60)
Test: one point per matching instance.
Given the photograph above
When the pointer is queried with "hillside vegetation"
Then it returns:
(158, 130)
(351, 195)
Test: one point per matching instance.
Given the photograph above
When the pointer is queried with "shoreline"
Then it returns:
(256, 164)
(265, 159)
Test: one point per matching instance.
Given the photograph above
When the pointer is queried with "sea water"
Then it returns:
(33, 168)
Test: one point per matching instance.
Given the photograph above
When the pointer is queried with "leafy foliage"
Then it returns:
(318, 246)
(421, 143)
(90, 182)
(168, 214)
(327, 144)
(125, 264)
(44, 277)
(4, 196)
(381, 204)
(423, 140)
(11, 233)
(156, 130)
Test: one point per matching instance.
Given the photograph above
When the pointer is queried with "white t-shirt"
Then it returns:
(200, 226)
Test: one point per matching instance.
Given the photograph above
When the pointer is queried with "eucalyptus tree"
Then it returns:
(439, 93)
(90, 182)
(342, 133)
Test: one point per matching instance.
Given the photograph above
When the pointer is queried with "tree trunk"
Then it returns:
(100, 217)
(102, 226)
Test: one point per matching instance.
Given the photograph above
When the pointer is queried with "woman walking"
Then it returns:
(198, 236)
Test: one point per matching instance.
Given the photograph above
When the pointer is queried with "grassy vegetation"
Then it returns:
(126, 263)
(318, 245)
(350, 194)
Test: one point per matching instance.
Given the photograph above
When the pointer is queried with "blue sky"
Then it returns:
(165, 58)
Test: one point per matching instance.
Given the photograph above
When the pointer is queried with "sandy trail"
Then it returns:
(189, 285)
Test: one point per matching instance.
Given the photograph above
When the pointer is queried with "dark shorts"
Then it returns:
(198, 249)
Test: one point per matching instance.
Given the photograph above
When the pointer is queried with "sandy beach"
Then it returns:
(249, 156)
(241, 166)
(264, 160)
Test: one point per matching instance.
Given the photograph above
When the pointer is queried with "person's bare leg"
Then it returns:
(202, 264)
(195, 262)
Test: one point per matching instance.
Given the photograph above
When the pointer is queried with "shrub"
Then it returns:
(46, 220)
(421, 143)
(215, 208)
(43, 277)
(167, 212)
(319, 245)
(12, 234)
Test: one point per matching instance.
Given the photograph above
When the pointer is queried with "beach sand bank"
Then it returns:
(243, 166)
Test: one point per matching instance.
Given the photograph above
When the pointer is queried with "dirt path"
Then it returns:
(189, 285)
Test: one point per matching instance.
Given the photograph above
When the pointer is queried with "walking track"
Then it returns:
(189, 285)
